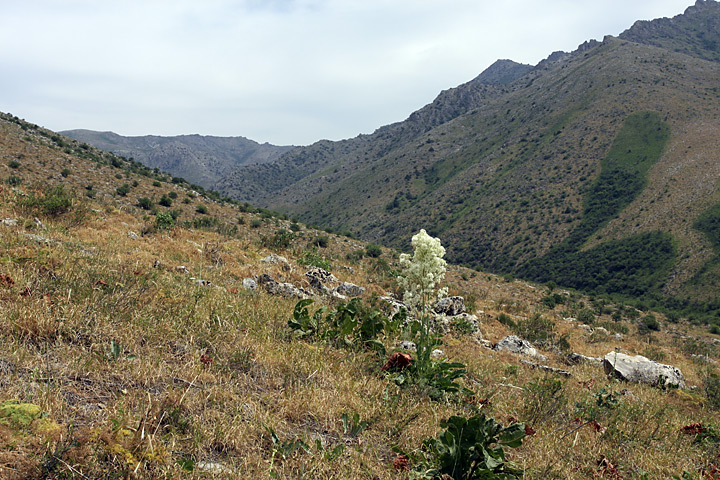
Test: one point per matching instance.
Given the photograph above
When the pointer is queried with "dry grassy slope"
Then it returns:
(111, 349)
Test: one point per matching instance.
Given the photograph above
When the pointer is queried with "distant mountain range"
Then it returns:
(596, 169)
(202, 160)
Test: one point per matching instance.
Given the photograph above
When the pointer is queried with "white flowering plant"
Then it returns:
(422, 272)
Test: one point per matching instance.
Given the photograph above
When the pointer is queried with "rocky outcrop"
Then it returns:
(577, 358)
(643, 370)
(450, 306)
(515, 344)
(350, 289)
(281, 288)
(275, 259)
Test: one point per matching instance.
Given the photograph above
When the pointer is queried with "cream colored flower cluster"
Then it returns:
(423, 272)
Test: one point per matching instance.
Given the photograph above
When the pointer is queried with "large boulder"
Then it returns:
(640, 369)
(515, 344)
(450, 306)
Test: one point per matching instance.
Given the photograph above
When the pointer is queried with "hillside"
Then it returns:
(146, 340)
(200, 159)
(504, 172)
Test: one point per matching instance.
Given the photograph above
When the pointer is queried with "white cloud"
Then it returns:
(284, 71)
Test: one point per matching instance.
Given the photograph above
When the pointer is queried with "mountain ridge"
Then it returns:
(201, 159)
(500, 171)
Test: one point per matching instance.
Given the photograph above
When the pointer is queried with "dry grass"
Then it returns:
(113, 343)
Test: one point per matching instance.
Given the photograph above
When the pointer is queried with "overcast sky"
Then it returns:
(278, 71)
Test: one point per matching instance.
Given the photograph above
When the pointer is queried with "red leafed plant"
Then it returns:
(401, 463)
(206, 359)
(693, 429)
(397, 361)
(6, 281)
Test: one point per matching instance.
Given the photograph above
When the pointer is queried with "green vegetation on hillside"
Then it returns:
(709, 224)
(623, 175)
(636, 265)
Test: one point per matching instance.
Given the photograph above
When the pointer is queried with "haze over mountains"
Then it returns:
(201, 159)
(561, 171)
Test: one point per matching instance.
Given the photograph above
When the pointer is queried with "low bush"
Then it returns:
(313, 259)
(145, 203)
(53, 201)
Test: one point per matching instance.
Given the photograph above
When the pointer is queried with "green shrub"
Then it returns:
(14, 164)
(586, 316)
(648, 323)
(321, 241)
(373, 250)
(543, 398)
(123, 190)
(164, 221)
(173, 195)
(53, 201)
(536, 329)
(14, 181)
(256, 223)
(145, 203)
(156, 184)
(201, 209)
(312, 258)
(65, 172)
(505, 319)
(351, 325)
(165, 201)
(281, 239)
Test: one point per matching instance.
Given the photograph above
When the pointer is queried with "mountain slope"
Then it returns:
(502, 172)
(261, 183)
(202, 160)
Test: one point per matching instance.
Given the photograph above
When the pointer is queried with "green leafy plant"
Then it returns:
(536, 329)
(471, 448)
(313, 259)
(14, 180)
(353, 426)
(351, 325)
